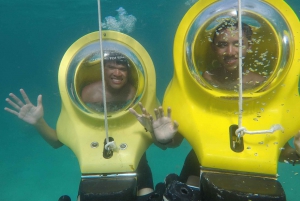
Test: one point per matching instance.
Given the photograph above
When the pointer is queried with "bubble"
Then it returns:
(122, 22)
(251, 69)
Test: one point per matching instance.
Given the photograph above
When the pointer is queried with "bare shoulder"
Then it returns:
(213, 74)
(89, 91)
(256, 77)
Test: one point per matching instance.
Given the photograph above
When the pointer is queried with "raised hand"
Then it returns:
(145, 118)
(164, 128)
(25, 111)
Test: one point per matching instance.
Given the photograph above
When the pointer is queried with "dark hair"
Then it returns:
(233, 23)
(119, 58)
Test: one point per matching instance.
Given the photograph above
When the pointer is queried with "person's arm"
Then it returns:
(33, 115)
(290, 154)
(48, 133)
(163, 130)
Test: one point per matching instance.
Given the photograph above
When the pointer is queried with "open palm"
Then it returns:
(25, 111)
(164, 128)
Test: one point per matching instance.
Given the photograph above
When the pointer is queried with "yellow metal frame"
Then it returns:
(78, 129)
(205, 115)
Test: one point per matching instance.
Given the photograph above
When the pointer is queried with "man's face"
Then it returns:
(226, 48)
(116, 75)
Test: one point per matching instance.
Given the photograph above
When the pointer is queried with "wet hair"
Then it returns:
(231, 23)
(111, 55)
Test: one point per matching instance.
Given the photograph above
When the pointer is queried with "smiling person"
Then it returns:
(118, 93)
(118, 90)
(164, 130)
(225, 45)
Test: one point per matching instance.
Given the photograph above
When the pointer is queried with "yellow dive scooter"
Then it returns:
(106, 174)
(209, 116)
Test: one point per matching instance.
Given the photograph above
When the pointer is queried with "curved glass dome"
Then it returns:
(211, 47)
(84, 74)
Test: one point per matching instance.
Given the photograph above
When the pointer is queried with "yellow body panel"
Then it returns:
(78, 129)
(205, 115)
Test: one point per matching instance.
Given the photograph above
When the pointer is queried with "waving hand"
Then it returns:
(25, 111)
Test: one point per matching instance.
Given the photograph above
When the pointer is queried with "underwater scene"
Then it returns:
(172, 52)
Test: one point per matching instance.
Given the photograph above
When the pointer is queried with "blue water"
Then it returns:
(34, 35)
